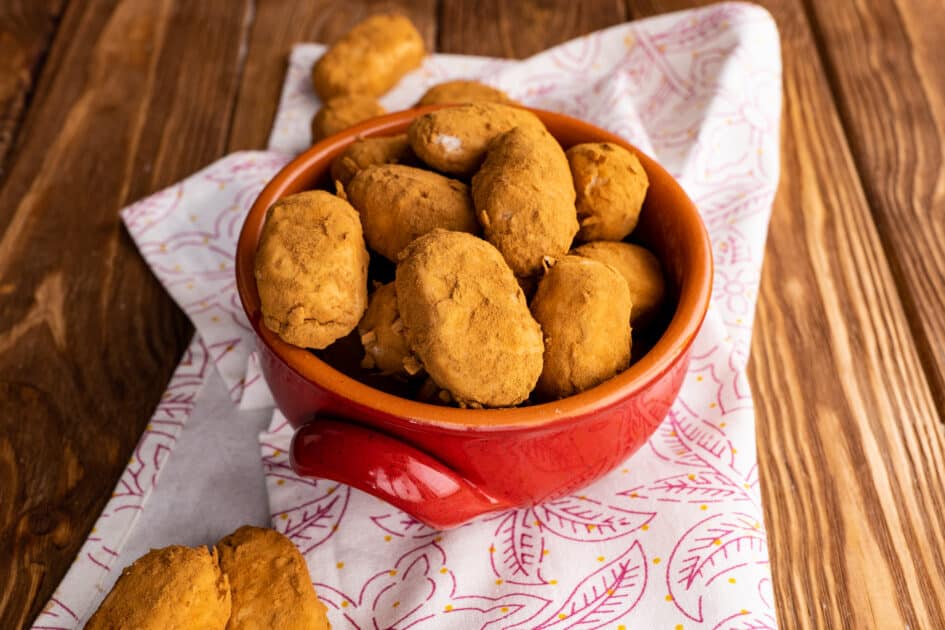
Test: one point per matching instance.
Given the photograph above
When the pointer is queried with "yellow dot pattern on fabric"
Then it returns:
(645, 526)
(276, 453)
(743, 611)
(444, 570)
(713, 406)
(499, 581)
(386, 538)
(552, 581)
(392, 573)
(395, 604)
(692, 477)
(716, 542)
(621, 627)
(703, 507)
(344, 604)
(679, 626)
(591, 528)
(504, 609)
(438, 539)
(723, 424)
(340, 565)
(562, 616)
(284, 516)
(280, 482)
(731, 580)
(448, 607)
(600, 558)
(699, 379)
(491, 549)
(669, 598)
(656, 560)
(545, 552)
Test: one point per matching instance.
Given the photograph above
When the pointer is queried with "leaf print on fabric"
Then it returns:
(419, 591)
(516, 552)
(606, 595)
(748, 621)
(310, 524)
(403, 525)
(687, 439)
(697, 487)
(710, 549)
(520, 544)
(585, 519)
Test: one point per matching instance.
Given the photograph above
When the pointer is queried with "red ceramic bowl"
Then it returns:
(444, 465)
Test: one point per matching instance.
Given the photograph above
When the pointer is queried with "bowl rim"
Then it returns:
(672, 346)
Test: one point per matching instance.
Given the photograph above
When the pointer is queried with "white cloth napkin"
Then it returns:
(672, 539)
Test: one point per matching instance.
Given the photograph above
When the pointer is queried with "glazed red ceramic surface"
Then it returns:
(445, 465)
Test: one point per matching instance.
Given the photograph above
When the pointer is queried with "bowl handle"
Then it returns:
(389, 469)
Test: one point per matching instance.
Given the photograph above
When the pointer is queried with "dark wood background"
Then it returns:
(103, 102)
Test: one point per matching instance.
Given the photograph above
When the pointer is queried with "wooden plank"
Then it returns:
(520, 29)
(135, 95)
(850, 445)
(277, 26)
(872, 50)
(26, 30)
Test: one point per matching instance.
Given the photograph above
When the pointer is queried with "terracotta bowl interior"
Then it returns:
(669, 225)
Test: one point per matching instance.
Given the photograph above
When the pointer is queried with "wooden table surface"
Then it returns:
(103, 102)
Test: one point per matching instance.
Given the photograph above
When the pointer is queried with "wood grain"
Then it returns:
(135, 95)
(520, 29)
(277, 25)
(898, 153)
(26, 30)
(850, 446)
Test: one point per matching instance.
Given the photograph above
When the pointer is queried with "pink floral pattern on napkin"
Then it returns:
(673, 538)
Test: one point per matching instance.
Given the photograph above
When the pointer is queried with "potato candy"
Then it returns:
(369, 152)
(342, 112)
(370, 59)
(524, 198)
(611, 186)
(640, 269)
(583, 307)
(269, 582)
(466, 319)
(311, 269)
(382, 335)
(174, 587)
(454, 139)
(462, 91)
(399, 203)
